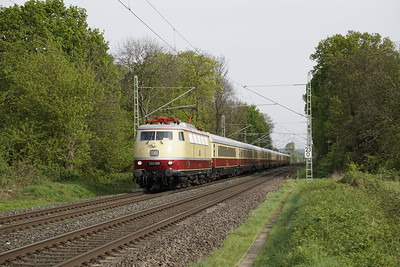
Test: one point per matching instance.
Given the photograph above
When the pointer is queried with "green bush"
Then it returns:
(337, 224)
(68, 175)
(5, 172)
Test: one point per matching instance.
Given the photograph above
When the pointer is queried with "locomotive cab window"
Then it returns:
(164, 136)
(145, 136)
(151, 135)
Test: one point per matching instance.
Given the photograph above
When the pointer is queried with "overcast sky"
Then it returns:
(265, 42)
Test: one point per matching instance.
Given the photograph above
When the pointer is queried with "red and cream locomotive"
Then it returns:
(171, 154)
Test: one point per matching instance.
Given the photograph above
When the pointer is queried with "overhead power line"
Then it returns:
(299, 135)
(130, 10)
(191, 89)
(291, 133)
(276, 85)
(245, 87)
(175, 30)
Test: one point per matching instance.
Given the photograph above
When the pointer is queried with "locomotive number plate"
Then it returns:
(154, 163)
(154, 153)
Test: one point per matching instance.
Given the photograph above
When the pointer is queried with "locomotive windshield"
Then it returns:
(159, 135)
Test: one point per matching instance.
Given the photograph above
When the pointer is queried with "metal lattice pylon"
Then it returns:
(308, 149)
(136, 119)
(223, 125)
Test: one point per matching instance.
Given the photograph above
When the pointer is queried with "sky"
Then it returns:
(265, 42)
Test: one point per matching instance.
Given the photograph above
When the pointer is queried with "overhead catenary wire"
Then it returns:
(175, 30)
(285, 107)
(243, 86)
(271, 85)
(276, 85)
(153, 31)
(291, 132)
(170, 102)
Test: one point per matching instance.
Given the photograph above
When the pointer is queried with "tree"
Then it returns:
(295, 156)
(355, 101)
(45, 107)
(223, 94)
(261, 124)
(156, 67)
(36, 23)
(60, 97)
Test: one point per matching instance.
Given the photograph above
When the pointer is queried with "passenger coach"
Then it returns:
(171, 154)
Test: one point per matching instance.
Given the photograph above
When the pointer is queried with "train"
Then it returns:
(170, 154)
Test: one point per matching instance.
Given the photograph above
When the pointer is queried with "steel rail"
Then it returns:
(68, 215)
(81, 259)
(6, 226)
(86, 257)
(38, 213)
(18, 252)
(81, 212)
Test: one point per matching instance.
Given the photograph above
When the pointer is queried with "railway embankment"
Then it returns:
(351, 221)
(179, 244)
(28, 195)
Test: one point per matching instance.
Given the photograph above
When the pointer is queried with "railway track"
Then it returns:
(86, 245)
(38, 218)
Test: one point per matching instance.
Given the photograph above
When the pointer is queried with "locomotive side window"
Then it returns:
(181, 136)
(198, 139)
(202, 140)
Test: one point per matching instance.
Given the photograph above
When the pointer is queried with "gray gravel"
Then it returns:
(184, 243)
(29, 236)
(196, 237)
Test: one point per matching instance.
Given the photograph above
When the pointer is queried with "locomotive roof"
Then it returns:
(171, 126)
(214, 138)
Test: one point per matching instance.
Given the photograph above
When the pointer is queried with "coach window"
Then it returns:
(181, 136)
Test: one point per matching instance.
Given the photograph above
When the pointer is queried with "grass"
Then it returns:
(353, 221)
(238, 241)
(328, 223)
(46, 192)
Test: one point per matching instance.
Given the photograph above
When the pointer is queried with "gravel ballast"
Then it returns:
(181, 244)
(196, 237)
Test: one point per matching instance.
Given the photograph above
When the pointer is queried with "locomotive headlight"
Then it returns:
(139, 163)
(170, 163)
